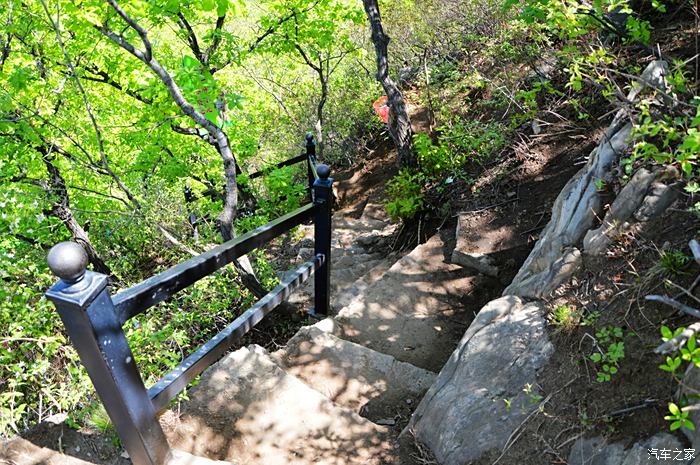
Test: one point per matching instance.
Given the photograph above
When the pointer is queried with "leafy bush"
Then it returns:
(406, 194)
(460, 142)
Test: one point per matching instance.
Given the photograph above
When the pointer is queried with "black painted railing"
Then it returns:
(93, 318)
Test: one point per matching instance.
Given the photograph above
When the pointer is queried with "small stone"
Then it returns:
(305, 253)
(409, 401)
(56, 419)
(124, 454)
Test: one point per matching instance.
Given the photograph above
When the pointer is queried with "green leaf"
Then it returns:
(208, 5)
(673, 408)
(666, 333)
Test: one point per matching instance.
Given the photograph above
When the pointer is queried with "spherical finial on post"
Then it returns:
(323, 171)
(309, 137)
(68, 261)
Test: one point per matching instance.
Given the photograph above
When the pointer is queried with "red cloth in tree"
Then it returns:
(381, 108)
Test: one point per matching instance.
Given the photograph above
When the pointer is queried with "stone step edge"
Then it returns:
(361, 284)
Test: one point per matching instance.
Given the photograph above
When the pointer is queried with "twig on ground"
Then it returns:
(679, 341)
(645, 404)
(675, 304)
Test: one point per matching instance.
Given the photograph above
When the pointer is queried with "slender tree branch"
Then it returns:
(270, 30)
(679, 341)
(148, 54)
(675, 304)
(191, 37)
(216, 40)
(105, 78)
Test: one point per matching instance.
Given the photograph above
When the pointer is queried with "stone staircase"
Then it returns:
(341, 391)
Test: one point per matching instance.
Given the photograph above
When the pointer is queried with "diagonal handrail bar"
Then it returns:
(179, 377)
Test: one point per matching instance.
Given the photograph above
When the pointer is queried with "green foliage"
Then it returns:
(571, 19)
(610, 351)
(679, 418)
(667, 139)
(566, 317)
(127, 189)
(673, 262)
(460, 142)
(675, 363)
(406, 195)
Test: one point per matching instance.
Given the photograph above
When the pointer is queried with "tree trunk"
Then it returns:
(61, 210)
(319, 115)
(399, 122)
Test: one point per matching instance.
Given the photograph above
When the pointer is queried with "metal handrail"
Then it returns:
(137, 299)
(94, 319)
(178, 378)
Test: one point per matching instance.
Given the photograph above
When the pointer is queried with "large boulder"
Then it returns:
(478, 400)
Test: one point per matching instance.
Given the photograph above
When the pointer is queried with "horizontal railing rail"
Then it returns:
(156, 289)
(94, 319)
(290, 162)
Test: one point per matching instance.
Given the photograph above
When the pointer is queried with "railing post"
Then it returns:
(91, 322)
(323, 199)
(310, 158)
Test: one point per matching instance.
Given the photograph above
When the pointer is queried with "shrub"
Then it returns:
(406, 195)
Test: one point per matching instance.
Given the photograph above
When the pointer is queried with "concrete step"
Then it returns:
(376, 385)
(414, 312)
(246, 409)
(350, 275)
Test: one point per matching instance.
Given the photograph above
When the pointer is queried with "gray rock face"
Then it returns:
(642, 199)
(662, 447)
(658, 199)
(464, 414)
(692, 382)
(476, 261)
(578, 205)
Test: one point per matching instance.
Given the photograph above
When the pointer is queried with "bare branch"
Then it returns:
(216, 40)
(675, 304)
(674, 344)
(105, 78)
(136, 27)
(204, 135)
(191, 37)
